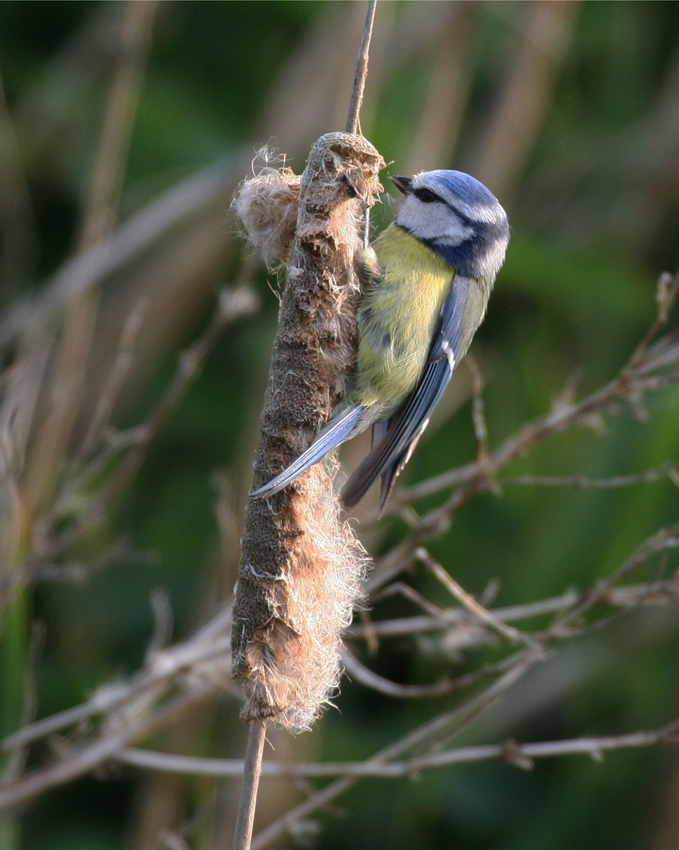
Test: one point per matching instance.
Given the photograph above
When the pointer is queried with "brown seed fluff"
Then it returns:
(301, 566)
(267, 204)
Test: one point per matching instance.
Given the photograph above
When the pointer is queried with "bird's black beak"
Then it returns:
(403, 184)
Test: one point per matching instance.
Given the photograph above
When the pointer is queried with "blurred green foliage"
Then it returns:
(594, 213)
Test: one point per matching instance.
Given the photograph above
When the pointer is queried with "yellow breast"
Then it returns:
(397, 317)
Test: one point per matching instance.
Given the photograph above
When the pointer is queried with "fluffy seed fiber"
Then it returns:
(267, 206)
(301, 565)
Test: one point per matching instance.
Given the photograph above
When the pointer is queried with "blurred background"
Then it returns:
(124, 129)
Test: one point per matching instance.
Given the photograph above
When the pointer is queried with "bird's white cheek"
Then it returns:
(432, 221)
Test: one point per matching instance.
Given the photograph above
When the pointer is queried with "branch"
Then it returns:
(661, 541)
(87, 757)
(655, 593)
(133, 710)
(623, 388)
(120, 370)
(66, 383)
(366, 677)
(519, 755)
(511, 634)
(581, 482)
(566, 625)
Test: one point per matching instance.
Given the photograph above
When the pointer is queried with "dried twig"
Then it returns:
(661, 541)
(656, 593)
(199, 667)
(519, 755)
(116, 130)
(566, 625)
(667, 293)
(79, 761)
(182, 662)
(581, 482)
(369, 679)
(179, 205)
(471, 604)
(175, 663)
(630, 383)
(601, 401)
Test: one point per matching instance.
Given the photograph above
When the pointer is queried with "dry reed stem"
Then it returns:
(361, 74)
(252, 769)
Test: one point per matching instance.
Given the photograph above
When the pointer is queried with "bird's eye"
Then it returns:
(426, 195)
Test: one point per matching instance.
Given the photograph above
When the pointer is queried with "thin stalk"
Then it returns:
(252, 770)
(361, 73)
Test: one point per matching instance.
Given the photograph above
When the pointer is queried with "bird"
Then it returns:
(426, 282)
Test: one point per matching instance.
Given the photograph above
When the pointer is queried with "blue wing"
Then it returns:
(340, 429)
(461, 315)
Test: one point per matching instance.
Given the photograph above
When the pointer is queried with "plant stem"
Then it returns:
(252, 770)
(361, 73)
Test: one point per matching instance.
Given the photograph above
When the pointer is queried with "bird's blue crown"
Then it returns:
(458, 218)
(466, 188)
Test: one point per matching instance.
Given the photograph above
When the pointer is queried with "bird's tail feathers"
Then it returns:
(338, 431)
(385, 461)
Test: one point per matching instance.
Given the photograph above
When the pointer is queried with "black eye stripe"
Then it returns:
(427, 196)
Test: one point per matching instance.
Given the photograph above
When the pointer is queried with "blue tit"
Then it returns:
(427, 279)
